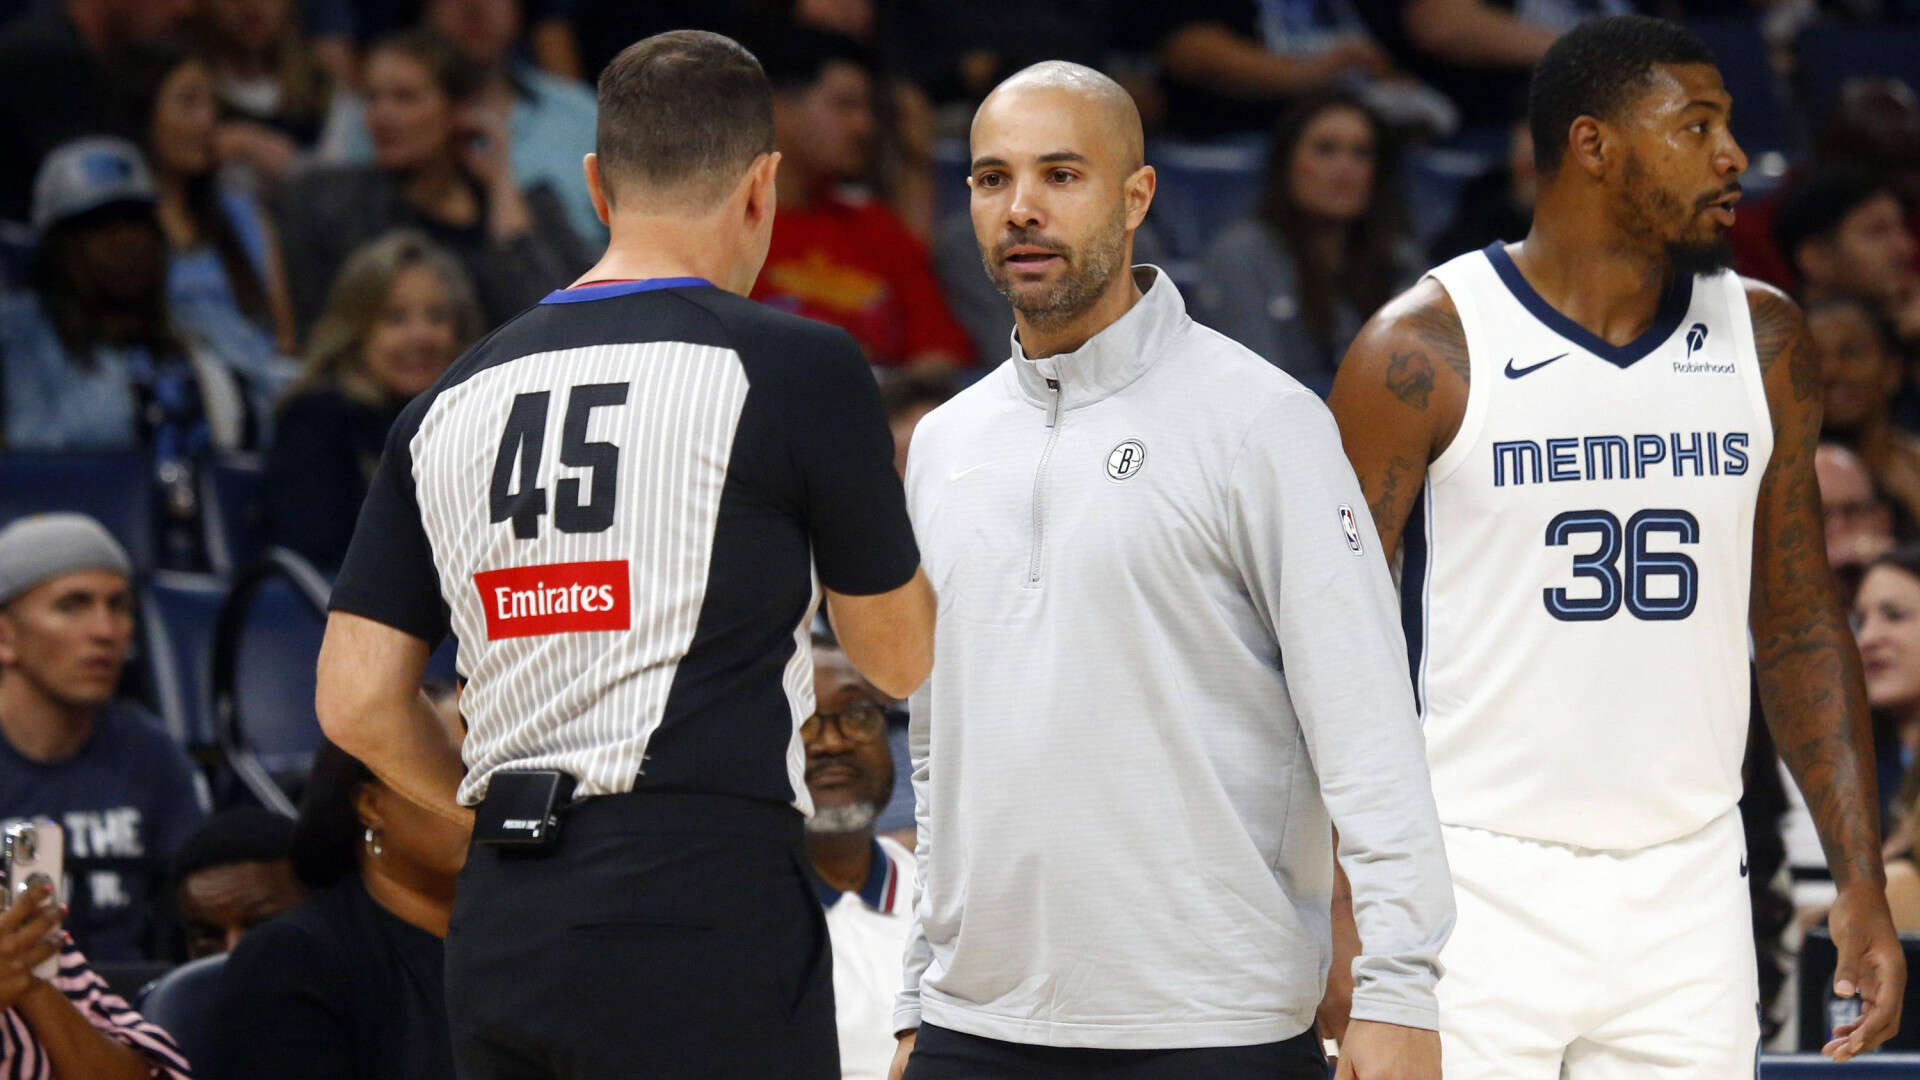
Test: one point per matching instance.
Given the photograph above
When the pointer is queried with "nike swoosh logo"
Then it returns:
(958, 473)
(1514, 372)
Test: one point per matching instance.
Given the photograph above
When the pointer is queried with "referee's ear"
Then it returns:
(596, 189)
(761, 189)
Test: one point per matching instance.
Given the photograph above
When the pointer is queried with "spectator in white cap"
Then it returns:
(91, 359)
(104, 769)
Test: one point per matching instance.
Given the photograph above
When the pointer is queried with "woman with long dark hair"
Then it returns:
(1886, 620)
(442, 166)
(349, 985)
(1326, 245)
(225, 284)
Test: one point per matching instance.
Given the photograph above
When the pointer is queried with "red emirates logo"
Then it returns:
(563, 598)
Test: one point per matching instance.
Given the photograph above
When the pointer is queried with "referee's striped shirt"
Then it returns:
(622, 504)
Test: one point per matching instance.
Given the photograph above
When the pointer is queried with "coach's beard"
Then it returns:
(1079, 287)
(841, 820)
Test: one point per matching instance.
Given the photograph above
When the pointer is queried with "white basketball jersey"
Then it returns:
(1575, 573)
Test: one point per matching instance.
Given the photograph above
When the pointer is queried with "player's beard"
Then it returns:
(1085, 279)
(1648, 205)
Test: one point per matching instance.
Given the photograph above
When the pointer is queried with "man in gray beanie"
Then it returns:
(105, 770)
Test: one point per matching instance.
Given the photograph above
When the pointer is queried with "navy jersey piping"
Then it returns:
(1673, 311)
(586, 293)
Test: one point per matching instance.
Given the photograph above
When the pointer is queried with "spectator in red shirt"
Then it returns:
(837, 255)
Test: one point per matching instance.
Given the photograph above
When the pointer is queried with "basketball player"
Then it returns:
(1594, 449)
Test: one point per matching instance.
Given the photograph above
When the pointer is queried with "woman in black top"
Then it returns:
(440, 164)
(400, 312)
(349, 986)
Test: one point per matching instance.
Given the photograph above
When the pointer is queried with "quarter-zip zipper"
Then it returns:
(1040, 485)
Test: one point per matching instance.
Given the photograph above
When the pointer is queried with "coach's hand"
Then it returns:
(1871, 965)
(901, 1053)
(1376, 1051)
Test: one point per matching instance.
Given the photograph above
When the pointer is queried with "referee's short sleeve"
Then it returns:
(389, 575)
(856, 513)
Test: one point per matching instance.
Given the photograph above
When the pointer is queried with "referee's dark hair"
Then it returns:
(683, 114)
(327, 835)
(1596, 69)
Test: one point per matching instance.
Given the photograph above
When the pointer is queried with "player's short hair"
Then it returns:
(682, 116)
(1814, 208)
(1596, 69)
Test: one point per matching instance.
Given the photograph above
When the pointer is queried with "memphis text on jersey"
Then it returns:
(1620, 457)
(558, 598)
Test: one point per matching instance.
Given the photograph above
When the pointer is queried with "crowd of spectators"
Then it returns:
(263, 226)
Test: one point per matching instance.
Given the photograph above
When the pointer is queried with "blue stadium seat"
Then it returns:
(1817, 961)
(950, 170)
(1830, 54)
(1202, 189)
(1762, 120)
(178, 617)
(186, 1002)
(1880, 1066)
(231, 509)
(263, 674)
(116, 489)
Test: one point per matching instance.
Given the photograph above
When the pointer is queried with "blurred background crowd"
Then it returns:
(237, 236)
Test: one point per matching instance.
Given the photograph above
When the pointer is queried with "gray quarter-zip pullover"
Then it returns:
(1168, 652)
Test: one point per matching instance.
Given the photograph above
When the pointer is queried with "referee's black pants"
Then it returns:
(668, 935)
(944, 1054)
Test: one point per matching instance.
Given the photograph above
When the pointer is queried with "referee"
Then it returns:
(623, 504)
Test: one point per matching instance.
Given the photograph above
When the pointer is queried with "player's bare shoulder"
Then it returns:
(1411, 357)
(1780, 331)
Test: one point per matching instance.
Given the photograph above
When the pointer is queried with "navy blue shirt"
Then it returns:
(127, 800)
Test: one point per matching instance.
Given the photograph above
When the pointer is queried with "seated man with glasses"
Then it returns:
(865, 881)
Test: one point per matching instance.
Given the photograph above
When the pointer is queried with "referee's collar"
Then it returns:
(880, 891)
(1113, 357)
(582, 293)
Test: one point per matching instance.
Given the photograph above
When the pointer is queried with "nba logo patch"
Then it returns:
(1351, 526)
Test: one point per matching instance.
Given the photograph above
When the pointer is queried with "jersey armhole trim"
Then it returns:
(1740, 314)
(1473, 417)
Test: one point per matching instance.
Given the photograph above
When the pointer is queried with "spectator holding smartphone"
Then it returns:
(70, 1025)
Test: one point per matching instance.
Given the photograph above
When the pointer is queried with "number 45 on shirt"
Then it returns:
(525, 440)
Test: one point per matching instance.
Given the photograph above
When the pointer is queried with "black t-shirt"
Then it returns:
(1193, 112)
(52, 89)
(618, 502)
(339, 988)
(325, 449)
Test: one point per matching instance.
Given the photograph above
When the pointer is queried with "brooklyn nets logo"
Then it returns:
(1126, 460)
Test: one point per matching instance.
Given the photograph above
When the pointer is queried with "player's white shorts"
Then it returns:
(1598, 965)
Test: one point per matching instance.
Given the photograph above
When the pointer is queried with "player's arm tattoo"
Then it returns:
(1809, 668)
(1398, 397)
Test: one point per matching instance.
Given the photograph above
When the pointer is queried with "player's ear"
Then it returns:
(596, 189)
(7, 630)
(1589, 146)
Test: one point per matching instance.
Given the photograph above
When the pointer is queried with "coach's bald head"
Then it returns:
(1093, 98)
(1059, 185)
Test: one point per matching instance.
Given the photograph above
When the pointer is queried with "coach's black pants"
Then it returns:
(943, 1054)
(669, 935)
